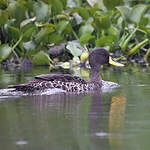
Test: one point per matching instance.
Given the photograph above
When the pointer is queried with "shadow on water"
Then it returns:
(116, 120)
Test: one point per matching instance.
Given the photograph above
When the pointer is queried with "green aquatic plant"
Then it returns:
(114, 25)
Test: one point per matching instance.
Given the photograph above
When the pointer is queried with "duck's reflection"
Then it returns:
(94, 122)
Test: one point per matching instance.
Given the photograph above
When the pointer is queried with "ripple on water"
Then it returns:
(8, 93)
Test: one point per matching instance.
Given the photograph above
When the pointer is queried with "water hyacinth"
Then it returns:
(92, 23)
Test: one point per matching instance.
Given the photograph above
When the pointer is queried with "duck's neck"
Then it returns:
(95, 76)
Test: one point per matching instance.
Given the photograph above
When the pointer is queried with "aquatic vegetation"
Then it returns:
(30, 29)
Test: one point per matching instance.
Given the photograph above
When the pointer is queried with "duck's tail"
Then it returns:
(21, 87)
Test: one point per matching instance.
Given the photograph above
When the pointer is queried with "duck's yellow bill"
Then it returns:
(112, 62)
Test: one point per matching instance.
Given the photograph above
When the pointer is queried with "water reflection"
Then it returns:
(91, 123)
(116, 122)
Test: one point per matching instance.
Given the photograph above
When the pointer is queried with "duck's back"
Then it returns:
(66, 82)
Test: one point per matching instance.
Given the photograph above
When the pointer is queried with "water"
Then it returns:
(112, 120)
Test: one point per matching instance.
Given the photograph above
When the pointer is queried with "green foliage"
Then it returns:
(3, 17)
(31, 26)
(5, 51)
(41, 58)
(42, 11)
(74, 48)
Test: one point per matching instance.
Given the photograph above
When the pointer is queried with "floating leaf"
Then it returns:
(41, 58)
(5, 51)
(75, 48)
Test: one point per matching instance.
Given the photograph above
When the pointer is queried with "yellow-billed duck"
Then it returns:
(70, 83)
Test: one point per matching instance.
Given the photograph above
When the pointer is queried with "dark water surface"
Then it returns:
(111, 120)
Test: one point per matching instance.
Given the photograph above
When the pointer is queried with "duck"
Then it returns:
(71, 83)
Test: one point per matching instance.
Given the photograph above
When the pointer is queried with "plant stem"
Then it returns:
(16, 46)
(135, 48)
(146, 55)
(125, 44)
(75, 34)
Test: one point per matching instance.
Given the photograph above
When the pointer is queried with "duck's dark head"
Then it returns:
(100, 56)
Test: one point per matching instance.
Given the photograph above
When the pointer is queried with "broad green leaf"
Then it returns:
(137, 13)
(29, 31)
(105, 41)
(17, 12)
(3, 17)
(13, 33)
(5, 51)
(74, 48)
(41, 58)
(83, 12)
(57, 6)
(97, 4)
(43, 35)
(55, 38)
(111, 4)
(102, 22)
(42, 11)
(88, 29)
(85, 38)
(30, 45)
(63, 26)
(113, 32)
(124, 10)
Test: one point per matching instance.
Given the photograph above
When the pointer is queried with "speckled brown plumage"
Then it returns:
(65, 82)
